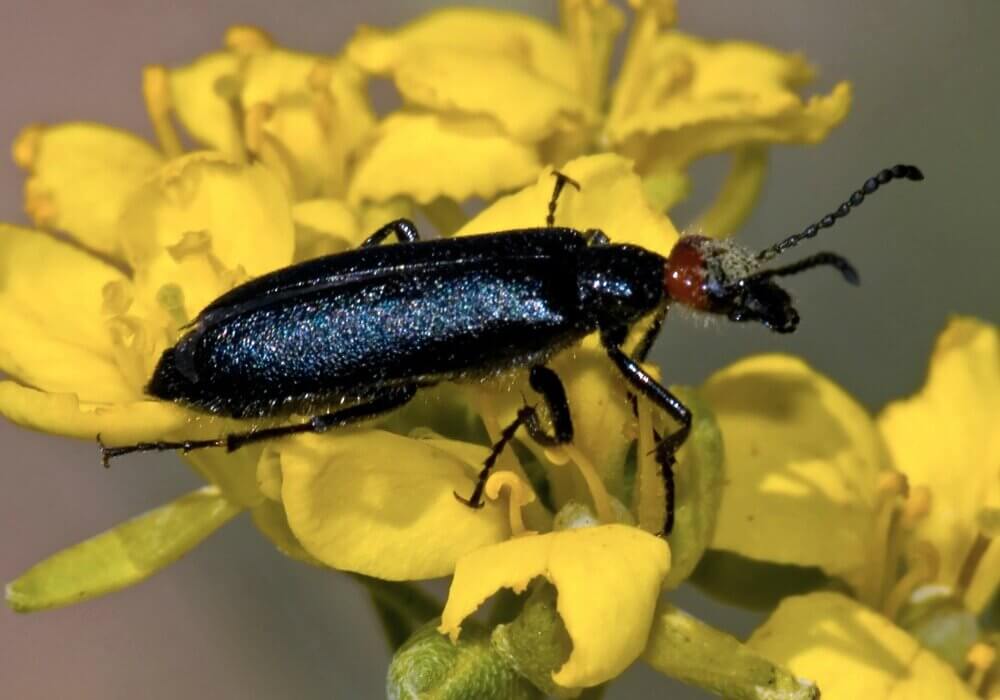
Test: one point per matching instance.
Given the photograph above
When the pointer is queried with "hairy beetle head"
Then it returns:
(701, 273)
(719, 277)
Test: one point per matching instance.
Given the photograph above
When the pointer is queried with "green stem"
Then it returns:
(695, 653)
(738, 195)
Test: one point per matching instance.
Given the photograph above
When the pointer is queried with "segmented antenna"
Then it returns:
(896, 172)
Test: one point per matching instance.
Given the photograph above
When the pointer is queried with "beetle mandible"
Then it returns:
(368, 327)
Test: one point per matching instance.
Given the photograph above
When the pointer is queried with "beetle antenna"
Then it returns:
(832, 259)
(897, 172)
(561, 181)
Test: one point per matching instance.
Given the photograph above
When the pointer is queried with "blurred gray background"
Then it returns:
(235, 619)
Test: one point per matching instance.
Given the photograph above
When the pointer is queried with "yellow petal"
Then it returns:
(123, 555)
(384, 505)
(324, 226)
(710, 96)
(608, 580)
(121, 423)
(526, 105)
(239, 216)
(270, 519)
(204, 95)
(611, 198)
(853, 652)
(519, 37)
(54, 336)
(318, 111)
(425, 156)
(946, 438)
(80, 176)
(800, 454)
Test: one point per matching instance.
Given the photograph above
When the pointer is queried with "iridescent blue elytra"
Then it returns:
(414, 313)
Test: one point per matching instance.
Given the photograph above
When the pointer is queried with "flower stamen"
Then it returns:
(520, 496)
(923, 562)
(598, 493)
(156, 94)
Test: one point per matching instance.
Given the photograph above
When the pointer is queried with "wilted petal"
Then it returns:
(947, 438)
(800, 454)
(54, 336)
(384, 505)
(80, 176)
(608, 580)
(122, 556)
(852, 652)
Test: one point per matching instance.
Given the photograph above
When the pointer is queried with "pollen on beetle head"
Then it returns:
(700, 269)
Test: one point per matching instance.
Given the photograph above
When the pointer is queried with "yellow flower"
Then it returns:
(853, 652)
(548, 99)
(946, 440)
(914, 497)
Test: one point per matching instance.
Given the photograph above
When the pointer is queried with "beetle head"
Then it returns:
(720, 277)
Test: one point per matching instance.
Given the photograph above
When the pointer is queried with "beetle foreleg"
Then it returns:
(667, 446)
(381, 403)
(403, 229)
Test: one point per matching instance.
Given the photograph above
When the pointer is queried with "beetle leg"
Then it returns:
(547, 383)
(380, 403)
(403, 229)
(667, 446)
(643, 347)
(649, 337)
(561, 181)
(506, 435)
(596, 236)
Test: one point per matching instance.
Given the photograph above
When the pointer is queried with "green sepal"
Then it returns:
(430, 667)
(536, 642)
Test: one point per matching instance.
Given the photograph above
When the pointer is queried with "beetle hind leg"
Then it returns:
(383, 402)
(547, 383)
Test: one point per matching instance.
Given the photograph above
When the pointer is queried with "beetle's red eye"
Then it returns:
(684, 274)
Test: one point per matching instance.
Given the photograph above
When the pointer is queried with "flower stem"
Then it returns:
(687, 649)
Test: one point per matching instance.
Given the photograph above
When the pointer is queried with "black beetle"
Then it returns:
(365, 329)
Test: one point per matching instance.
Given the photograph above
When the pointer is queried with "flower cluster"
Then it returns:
(876, 561)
